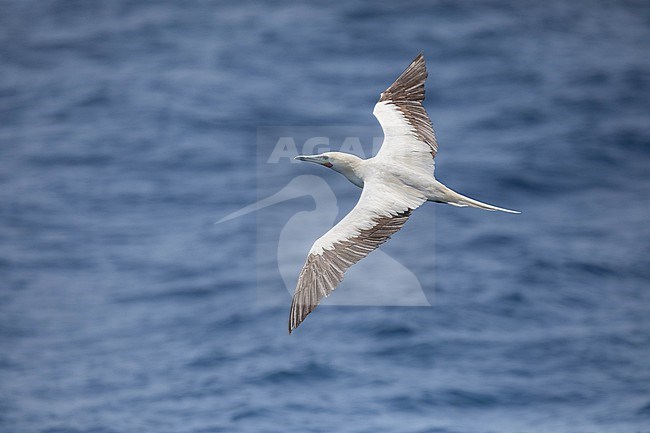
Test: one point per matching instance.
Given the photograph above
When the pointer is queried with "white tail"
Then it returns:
(459, 200)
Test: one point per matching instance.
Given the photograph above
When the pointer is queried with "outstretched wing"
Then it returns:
(381, 211)
(408, 134)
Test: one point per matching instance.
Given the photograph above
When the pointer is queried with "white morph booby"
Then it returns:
(395, 182)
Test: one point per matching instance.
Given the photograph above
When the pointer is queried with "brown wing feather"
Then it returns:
(409, 86)
(323, 272)
(407, 94)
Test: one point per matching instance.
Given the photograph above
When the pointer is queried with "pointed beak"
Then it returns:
(318, 159)
(308, 158)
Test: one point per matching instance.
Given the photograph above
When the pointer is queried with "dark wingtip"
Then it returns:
(409, 86)
(298, 312)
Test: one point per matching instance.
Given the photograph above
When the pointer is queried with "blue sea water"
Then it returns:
(128, 127)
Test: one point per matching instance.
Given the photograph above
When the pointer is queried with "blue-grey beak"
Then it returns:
(308, 158)
(318, 159)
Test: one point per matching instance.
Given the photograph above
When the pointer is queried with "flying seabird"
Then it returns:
(394, 183)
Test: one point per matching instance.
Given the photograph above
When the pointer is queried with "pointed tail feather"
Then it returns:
(466, 201)
(459, 200)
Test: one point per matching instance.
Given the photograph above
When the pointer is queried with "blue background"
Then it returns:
(128, 127)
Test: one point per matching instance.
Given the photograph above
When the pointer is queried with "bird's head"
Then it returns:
(345, 163)
(335, 160)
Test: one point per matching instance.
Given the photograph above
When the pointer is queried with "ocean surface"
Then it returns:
(127, 128)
